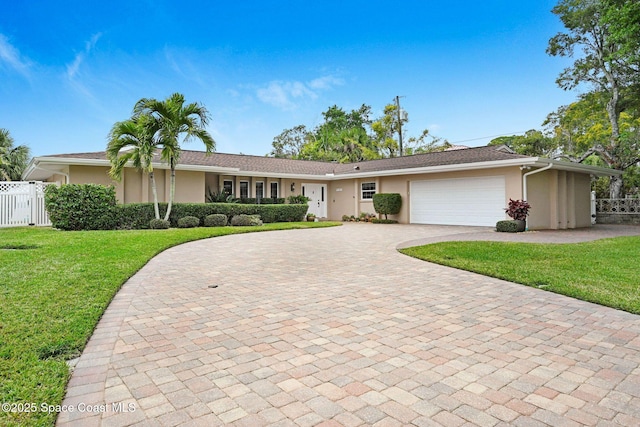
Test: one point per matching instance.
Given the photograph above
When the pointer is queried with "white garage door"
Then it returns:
(461, 201)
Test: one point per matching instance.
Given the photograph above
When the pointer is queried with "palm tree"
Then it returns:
(176, 120)
(13, 160)
(134, 141)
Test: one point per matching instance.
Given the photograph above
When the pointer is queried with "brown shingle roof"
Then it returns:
(248, 163)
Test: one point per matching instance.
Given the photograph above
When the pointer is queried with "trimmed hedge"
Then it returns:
(384, 221)
(507, 226)
(215, 220)
(82, 206)
(94, 207)
(159, 224)
(188, 222)
(246, 220)
(263, 201)
(138, 215)
(387, 203)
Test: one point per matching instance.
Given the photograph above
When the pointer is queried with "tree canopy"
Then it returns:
(13, 159)
(605, 31)
(162, 125)
(134, 141)
(532, 143)
(352, 136)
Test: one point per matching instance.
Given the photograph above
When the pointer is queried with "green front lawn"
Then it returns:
(604, 271)
(54, 286)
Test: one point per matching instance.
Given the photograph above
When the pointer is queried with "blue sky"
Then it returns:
(466, 70)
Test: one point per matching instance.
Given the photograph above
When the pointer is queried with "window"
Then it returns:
(244, 189)
(259, 190)
(368, 190)
(227, 187)
(274, 190)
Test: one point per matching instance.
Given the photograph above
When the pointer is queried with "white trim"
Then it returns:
(255, 186)
(525, 161)
(232, 193)
(240, 189)
(271, 189)
(576, 167)
(321, 212)
(375, 190)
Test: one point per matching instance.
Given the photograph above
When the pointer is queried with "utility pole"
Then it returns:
(399, 124)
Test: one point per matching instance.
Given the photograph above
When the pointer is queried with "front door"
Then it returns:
(317, 193)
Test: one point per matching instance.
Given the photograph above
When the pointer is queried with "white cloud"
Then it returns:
(326, 82)
(283, 94)
(74, 67)
(11, 56)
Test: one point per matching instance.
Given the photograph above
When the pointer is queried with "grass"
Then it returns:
(54, 287)
(604, 271)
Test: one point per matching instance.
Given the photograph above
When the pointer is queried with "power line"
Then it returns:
(490, 136)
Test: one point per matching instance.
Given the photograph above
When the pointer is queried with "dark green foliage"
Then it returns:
(81, 207)
(246, 220)
(138, 215)
(297, 199)
(135, 216)
(215, 220)
(219, 196)
(346, 218)
(384, 221)
(188, 222)
(387, 203)
(263, 201)
(159, 224)
(507, 226)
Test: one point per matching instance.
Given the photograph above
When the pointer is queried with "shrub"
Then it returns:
(384, 221)
(346, 218)
(507, 226)
(138, 215)
(159, 224)
(298, 200)
(215, 220)
(246, 220)
(188, 222)
(216, 196)
(387, 203)
(82, 207)
(518, 209)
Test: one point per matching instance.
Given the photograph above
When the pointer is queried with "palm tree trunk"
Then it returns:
(172, 192)
(154, 190)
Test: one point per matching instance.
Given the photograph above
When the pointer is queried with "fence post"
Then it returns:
(593, 207)
(33, 203)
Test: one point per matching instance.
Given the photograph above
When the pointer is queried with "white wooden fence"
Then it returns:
(22, 203)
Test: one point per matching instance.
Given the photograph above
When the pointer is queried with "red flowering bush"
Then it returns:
(518, 209)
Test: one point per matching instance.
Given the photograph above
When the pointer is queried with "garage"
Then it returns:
(460, 201)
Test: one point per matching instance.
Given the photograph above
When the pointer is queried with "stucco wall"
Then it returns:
(540, 201)
(189, 187)
(341, 200)
(133, 186)
(559, 200)
(95, 175)
(162, 185)
(582, 183)
(212, 183)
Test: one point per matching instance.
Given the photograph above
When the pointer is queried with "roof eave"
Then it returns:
(441, 168)
(576, 167)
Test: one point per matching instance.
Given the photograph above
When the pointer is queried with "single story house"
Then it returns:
(469, 186)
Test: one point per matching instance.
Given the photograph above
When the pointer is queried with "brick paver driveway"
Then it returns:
(335, 327)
